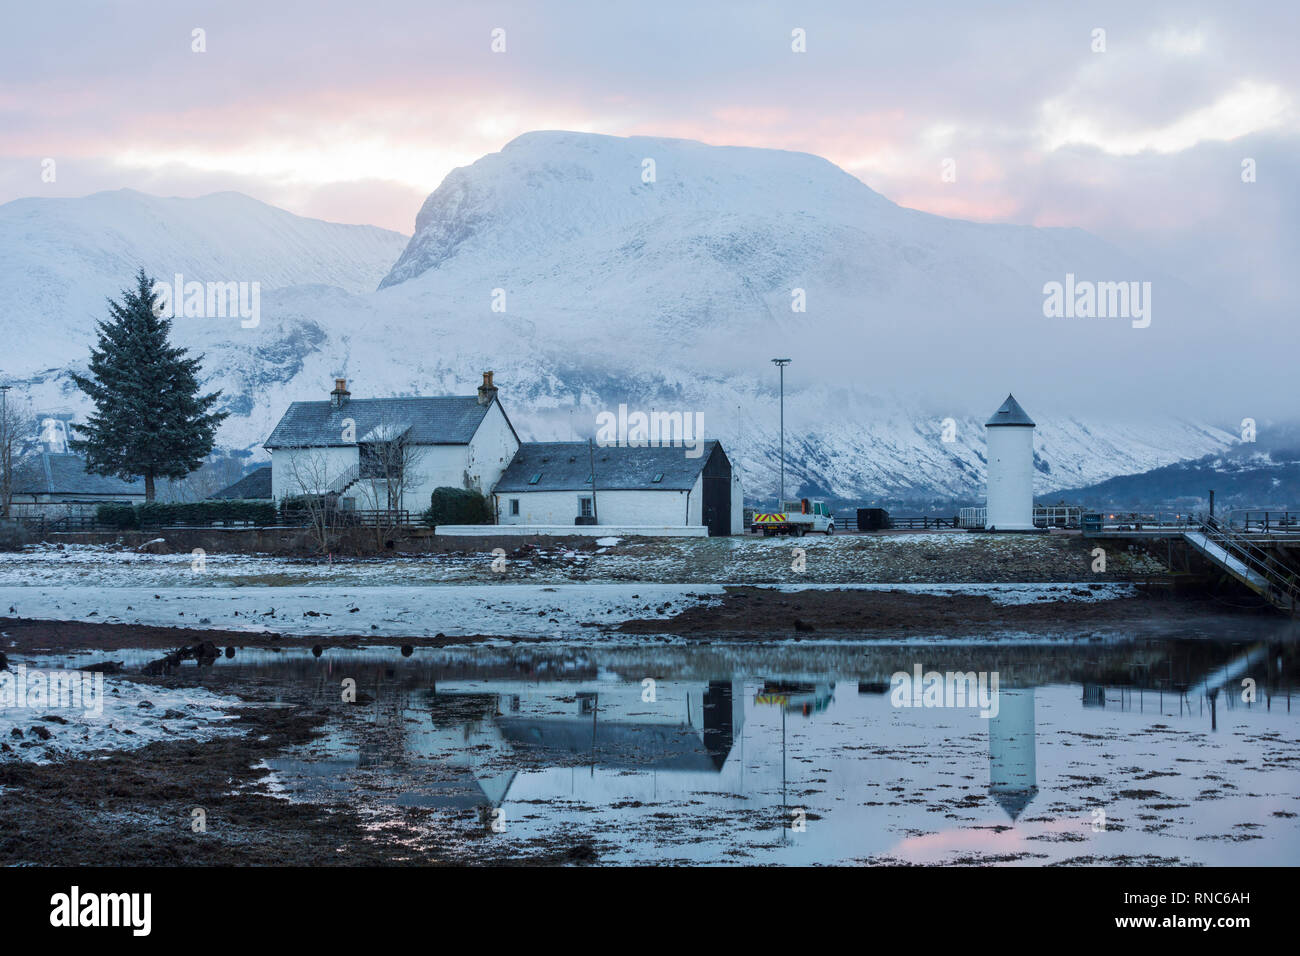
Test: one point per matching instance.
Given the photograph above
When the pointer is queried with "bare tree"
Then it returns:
(17, 429)
(388, 469)
(217, 472)
(316, 483)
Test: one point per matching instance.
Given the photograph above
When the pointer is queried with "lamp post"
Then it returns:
(781, 363)
(6, 451)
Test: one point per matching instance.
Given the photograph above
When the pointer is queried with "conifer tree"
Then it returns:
(149, 419)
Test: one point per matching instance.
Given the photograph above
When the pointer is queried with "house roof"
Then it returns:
(50, 473)
(432, 420)
(565, 466)
(1010, 414)
(253, 486)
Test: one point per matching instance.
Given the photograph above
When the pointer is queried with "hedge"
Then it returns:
(457, 506)
(154, 514)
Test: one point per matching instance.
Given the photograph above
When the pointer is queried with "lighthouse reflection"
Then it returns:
(1013, 744)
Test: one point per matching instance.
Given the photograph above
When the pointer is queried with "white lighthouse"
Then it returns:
(1010, 436)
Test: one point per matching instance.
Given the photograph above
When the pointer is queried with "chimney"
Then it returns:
(339, 397)
(487, 391)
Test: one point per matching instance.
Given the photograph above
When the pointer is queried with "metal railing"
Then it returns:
(1282, 585)
(1267, 521)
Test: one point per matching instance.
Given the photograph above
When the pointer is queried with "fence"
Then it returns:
(1266, 521)
(1045, 516)
(42, 525)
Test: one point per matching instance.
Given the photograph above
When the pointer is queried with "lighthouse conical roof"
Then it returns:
(1010, 414)
(1014, 801)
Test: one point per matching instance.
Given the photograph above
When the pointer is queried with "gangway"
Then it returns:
(1246, 561)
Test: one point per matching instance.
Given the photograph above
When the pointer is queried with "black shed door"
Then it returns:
(716, 506)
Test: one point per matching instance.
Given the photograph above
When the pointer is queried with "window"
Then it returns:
(657, 478)
(535, 479)
(584, 508)
(514, 506)
(588, 481)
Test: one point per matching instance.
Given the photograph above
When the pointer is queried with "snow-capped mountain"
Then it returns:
(62, 257)
(584, 282)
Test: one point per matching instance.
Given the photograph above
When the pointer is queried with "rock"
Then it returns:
(174, 715)
(53, 719)
(42, 732)
(104, 667)
(156, 546)
(583, 852)
(16, 734)
(145, 705)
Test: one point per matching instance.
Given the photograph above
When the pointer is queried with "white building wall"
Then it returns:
(480, 463)
(438, 466)
(1010, 478)
(696, 501)
(492, 450)
(325, 463)
(612, 507)
(737, 502)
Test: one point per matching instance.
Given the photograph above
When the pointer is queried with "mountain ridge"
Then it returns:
(671, 293)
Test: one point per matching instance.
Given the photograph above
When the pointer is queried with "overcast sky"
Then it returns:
(354, 112)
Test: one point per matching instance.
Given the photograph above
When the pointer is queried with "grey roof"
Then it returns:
(433, 420)
(253, 486)
(50, 473)
(565, 465)
(1010, 414)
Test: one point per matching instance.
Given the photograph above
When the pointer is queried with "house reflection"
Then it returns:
(603, 729)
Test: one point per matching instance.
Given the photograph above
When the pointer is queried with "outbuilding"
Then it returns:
(574, 483)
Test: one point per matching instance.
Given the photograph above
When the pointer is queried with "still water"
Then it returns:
(1156, 750)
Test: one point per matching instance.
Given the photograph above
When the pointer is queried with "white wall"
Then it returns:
(737, 502)
(492, 450)
(327, 462)
(482, 461)
(1010, 477)
(612, 507)
(621, 507)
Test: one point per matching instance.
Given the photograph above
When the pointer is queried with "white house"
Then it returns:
(567, 483)
(344, 446)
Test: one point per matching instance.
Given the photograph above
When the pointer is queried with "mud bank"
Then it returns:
(57, 637)
(138, 807)
(749, 613)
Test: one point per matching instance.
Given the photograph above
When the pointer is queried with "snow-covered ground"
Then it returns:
(132, 715)
(949, 557)
(515, 610)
